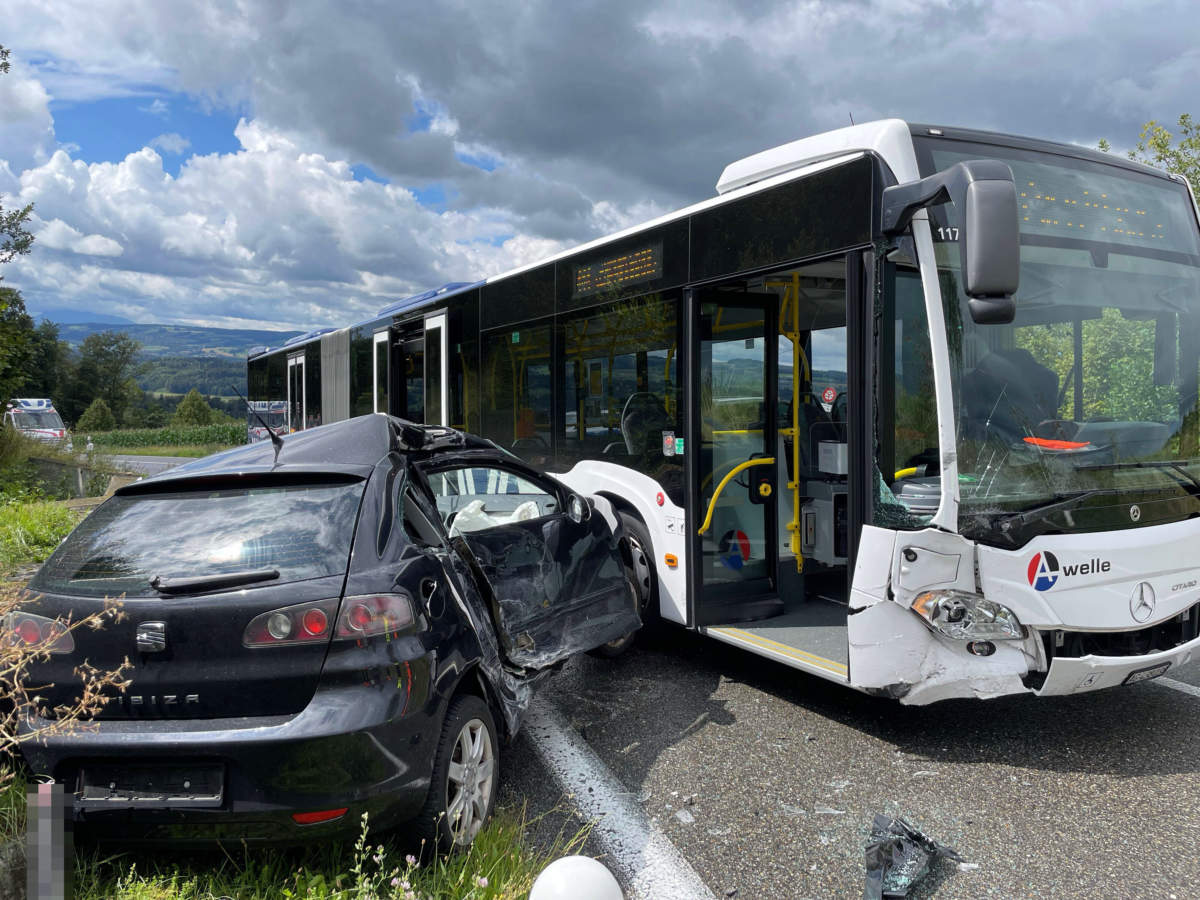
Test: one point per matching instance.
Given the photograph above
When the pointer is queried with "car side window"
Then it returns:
(475, 498)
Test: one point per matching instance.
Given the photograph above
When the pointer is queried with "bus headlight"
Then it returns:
(967, 617)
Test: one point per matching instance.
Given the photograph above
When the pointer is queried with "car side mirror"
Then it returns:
(989, 239)
(578, 509)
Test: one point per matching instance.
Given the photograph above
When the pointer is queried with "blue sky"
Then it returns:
(314, 161)
(107, 130)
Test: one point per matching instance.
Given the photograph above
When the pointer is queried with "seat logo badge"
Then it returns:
(1142, 603)
(152, 637)
(1135, 512)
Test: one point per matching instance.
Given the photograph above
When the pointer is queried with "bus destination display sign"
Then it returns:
(643, 264)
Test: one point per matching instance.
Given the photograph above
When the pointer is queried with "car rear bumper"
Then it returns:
(1091, 673)
(364, 748)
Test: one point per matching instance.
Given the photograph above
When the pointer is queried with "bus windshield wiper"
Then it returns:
(211, 582)
(1057, 503)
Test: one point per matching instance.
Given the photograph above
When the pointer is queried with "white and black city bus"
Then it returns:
(844, 433)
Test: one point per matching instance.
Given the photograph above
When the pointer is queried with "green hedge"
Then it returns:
(171, 436)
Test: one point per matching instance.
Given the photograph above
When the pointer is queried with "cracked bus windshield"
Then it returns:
(1080, 415)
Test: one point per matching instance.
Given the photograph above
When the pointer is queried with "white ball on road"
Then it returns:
(576, 878)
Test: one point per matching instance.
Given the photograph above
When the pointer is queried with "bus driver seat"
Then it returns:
(1009, 393)
(643, 420)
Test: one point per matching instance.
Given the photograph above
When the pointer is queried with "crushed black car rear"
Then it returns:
(299, 625)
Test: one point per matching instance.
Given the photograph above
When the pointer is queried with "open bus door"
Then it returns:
(296, 399)
(730, 460)
(779, 461)
(436, 366)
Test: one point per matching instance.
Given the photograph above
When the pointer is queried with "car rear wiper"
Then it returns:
(210, 582)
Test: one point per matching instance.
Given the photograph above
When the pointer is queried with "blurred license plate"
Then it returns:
(152, 785)
(1146, 674)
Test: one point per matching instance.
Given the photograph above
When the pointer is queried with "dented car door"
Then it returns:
(551, 565)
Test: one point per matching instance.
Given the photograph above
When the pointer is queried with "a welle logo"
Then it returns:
(1044, 571)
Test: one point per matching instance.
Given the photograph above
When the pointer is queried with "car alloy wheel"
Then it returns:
(471, 781)
(465, 775)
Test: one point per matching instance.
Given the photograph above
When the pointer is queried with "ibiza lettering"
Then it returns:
(1044, 569)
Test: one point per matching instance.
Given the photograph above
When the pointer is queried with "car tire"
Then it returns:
(466, 773)
(645, 582)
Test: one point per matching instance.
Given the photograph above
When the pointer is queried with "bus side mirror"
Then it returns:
(989, 242)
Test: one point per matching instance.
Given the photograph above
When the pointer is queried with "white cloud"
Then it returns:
(158, 107)
(267, 235)
(58, 235)
(171, 142)
(27, 129)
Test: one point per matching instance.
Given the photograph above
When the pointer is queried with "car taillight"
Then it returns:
(372, 614)
(303, 623)
(24, 629)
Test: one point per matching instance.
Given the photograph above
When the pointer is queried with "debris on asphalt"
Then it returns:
(828, 811)
(897, 856)
(794, 811)
(685, 817)
(690, 800)
(967, 867)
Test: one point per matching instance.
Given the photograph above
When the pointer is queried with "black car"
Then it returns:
(346, 623)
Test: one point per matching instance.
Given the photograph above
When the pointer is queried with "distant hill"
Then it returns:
(64, 315)
(181, 340)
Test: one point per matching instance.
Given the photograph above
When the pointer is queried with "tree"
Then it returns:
(107, 366)
(1155, 148)
(16, 344)
(16, 239)
(192, 410)
(97, 417)
(51, 368)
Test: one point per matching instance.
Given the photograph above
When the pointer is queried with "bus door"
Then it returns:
(380, 372)
(296, 405)
(437, 376)
(731, 438)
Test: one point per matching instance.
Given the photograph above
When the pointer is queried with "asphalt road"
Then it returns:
(147, 465)
(767, 779)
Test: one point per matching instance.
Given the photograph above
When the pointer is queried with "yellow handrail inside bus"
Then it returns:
(729, 476)
(800, 375)
(905, 473)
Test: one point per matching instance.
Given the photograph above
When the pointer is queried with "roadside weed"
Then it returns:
(29, 532)
(501, 865)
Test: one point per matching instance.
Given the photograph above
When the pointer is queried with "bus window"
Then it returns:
(619, 383)
(516, 389)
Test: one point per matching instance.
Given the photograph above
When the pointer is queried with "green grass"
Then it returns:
(502, 863)
(12, 802)
(29, 532)
(171, 436)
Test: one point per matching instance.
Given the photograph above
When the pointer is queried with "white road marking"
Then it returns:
(1181, 686)
(642, 856)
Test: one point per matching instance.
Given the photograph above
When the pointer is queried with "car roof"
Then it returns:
(349, 448)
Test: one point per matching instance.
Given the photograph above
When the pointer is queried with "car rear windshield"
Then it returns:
(302, 531)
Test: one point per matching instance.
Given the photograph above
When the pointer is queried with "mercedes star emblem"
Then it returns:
(1141, 604)
(1135, 512)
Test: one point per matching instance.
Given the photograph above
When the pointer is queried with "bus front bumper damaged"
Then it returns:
(1091, 673)
(894, 654)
